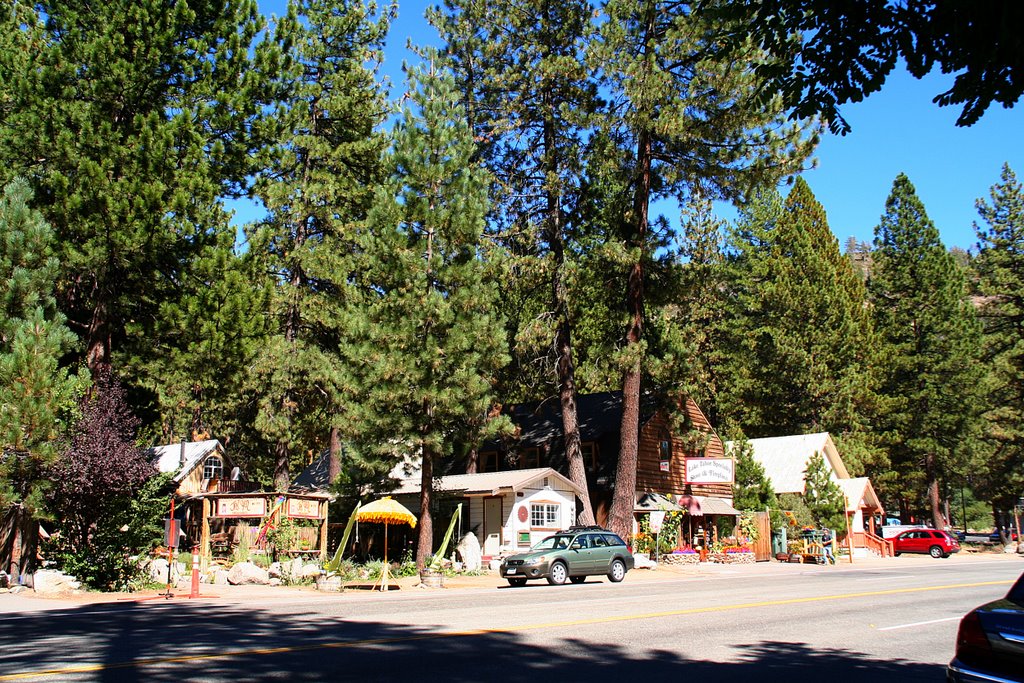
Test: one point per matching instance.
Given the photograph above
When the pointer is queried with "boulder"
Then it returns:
(294, 569)
(246, 573)
(309, 571)
(220, 577)
(642, 561)
(469, 551)
(276, 570)
(49, 581)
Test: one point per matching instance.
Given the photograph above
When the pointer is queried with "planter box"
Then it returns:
(731, 558)
(331, 584)
(680, 558)
(430, 579)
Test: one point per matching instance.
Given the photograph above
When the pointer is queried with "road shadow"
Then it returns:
(193, 642)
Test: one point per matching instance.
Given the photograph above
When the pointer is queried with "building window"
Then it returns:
(529, 458)
(544, 515)
(588, 449)
(487, 461)
(665, 446)
(212, 467)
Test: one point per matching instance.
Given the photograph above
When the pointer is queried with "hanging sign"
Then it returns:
(241, 507)
(303, 507)
(710, 470)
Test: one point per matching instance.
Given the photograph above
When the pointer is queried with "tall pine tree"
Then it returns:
(35, 392)
(999, 269)
(804, 332)
(520, 64)
(930, 337)
(133, 118)
(435, 344)
(683, 117)
(317, 189)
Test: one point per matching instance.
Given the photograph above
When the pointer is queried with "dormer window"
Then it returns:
(213, 467)
(529, 458)
(487, 461)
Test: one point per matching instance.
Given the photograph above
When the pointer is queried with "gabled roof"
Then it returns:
(785, 458)
(487, 483)
(860, 494)
(540, 422)
(168, 458)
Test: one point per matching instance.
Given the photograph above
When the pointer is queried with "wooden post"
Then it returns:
(207, 510)
(323, 507)
(849, 532)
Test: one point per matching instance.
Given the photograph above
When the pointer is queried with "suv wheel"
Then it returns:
(617, 572)
(935, 551)
(557, 574)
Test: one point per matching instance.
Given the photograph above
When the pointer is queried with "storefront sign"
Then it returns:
(657, 519)
(666, 465)
(710, 470)
(302, 507)
(241, 507)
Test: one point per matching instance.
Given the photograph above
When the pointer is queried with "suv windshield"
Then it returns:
(558, 542)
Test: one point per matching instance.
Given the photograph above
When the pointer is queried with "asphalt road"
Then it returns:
(890, 622)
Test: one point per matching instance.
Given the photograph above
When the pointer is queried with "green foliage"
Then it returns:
(824, 498)
(799, 514)
(35, 394)
(801, 337)
(127, 528)
(669, 137)
(747, 526)
(752, 490)
(999, 271)
(317, 185)
(931, 385)
(435, 341)
(834, 54)
(133, 118)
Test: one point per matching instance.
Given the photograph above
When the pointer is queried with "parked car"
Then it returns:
(990, 641)
(994, 537)
(571, 555)
(931, 541)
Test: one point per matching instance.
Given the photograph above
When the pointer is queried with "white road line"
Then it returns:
(919, 623)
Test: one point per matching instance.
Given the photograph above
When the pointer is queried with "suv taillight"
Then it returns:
(971, 641)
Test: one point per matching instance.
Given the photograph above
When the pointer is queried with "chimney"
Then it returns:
(181, 458)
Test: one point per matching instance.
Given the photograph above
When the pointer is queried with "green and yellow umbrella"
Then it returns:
(386, 511)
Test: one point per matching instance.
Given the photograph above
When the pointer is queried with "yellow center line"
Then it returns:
(288, 649)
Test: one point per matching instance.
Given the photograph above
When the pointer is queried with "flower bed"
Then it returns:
(732, 558)
(680, 558)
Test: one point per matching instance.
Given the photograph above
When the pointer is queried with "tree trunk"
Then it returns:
(425, 541)
(934, 500)
(97, 355)
(564, 368)
(334, 457)
(623, 500)
(282, 478)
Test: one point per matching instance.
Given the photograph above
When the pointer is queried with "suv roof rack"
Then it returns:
(592, 527)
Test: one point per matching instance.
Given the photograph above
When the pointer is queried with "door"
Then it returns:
(492, 526)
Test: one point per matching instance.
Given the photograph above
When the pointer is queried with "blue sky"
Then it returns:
(895, 130)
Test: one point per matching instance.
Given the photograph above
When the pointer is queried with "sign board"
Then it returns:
(710, 470)
(666, 465)
(657, 519)
(241, 507)
(304, 507)
(172, 530)
(523, 538)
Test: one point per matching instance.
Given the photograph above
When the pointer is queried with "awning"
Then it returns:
(715, 506)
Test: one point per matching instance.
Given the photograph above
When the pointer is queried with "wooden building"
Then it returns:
(666, 460)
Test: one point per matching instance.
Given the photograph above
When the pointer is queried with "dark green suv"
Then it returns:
(573, 554)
